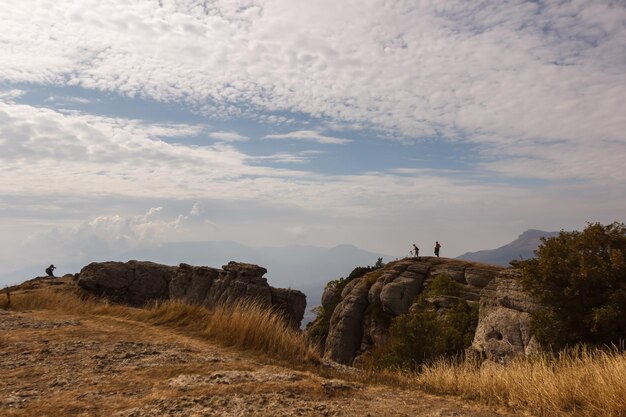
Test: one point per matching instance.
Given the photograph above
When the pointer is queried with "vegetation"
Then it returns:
(427, 333)
(581, 278)
(245, 325)
(576, 382)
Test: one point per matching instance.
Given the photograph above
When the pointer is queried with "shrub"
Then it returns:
(426, 333)
(581, 278)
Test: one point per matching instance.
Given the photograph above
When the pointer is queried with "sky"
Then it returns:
(378, 123)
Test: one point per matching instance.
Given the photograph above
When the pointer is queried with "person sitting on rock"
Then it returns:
(416, 250)
(50, 270)
(437, 246)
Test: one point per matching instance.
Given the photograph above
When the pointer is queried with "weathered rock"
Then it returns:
(132, 282)
(346, 328)
(398, 295)
(503, 329)
(328, 296)
(191, 284)
(456, 272)
(361, 320)
(136, 283)
(237, 281)
(479, 277)
(291, 303)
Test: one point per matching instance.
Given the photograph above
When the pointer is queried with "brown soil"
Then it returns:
(53, 364)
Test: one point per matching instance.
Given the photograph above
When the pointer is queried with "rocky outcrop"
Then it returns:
(367, 304)
(503, 329)
(136, 283)
(361, 319)
(346, 324)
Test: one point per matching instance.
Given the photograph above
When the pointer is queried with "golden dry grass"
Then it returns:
(245, 325)
(582, 382)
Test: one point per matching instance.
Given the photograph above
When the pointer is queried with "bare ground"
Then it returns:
(54, 364)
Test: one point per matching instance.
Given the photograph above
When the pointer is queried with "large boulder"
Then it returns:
(132, 282)
(136, 283)
(346, 327)
(504, 321)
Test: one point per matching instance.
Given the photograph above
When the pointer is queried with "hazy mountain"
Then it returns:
(521, 248)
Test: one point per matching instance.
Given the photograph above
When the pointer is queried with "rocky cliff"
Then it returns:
(361, 311)
(136, 283)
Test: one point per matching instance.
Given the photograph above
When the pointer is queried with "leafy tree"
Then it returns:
(581, 278)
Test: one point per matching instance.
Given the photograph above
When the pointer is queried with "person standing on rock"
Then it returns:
(50, 270)
(437, 247)
(416, 250)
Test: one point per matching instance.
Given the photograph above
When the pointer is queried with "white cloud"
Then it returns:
(227, 136)
(309, 136)
(537, 89)
(518, 69)
(10, 95)
(68, 100)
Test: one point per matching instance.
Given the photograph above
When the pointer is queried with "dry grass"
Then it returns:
(583, 382)
(245, 325)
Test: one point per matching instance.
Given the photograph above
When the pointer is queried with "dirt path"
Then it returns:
(60, 365)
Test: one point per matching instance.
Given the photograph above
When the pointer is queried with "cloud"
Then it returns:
(68, 100)
(533, 90)
(309, 136)
(302, 157)
(519, 69)
(223, 136)
(10, 95)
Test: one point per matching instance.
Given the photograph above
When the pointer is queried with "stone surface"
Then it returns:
(503, 329)
(101, 366)
(136, 283)
(361, 320)
(346, 327)
(328, 296)
(291, 303)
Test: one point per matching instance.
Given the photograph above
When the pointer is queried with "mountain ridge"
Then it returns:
(521, 248)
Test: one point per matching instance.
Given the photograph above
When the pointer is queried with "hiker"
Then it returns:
(437, 246)
(50, 270)
(416, 250)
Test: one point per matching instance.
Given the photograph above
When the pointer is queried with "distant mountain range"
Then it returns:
(302, 267)
(521, 248)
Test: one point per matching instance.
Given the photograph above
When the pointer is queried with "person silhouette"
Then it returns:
(50, 270)
(416, 250)
(437, 247)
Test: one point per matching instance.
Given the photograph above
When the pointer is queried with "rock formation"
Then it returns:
(361, 314)
(503, 327)
(136, 283)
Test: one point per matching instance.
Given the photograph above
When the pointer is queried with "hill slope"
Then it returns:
(521, 248)
(57, 363)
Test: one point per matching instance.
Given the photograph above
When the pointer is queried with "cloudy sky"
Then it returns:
(126, 123)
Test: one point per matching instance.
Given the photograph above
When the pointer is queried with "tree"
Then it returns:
(581, 279)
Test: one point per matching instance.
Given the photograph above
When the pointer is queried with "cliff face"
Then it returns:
(136, 282)
(356, 325)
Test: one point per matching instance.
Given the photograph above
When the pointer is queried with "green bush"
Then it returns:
(426, 333)
(581, 278)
